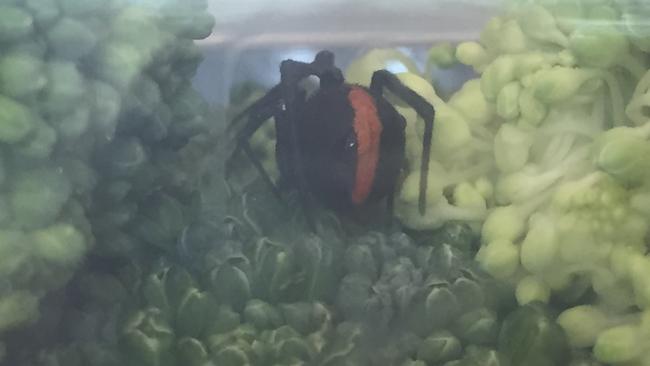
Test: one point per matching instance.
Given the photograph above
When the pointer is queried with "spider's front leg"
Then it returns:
(384, 79)
(259, 112)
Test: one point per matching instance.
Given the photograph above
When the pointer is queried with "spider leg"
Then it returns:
(259, 112)
(383, 79)
(272, 97)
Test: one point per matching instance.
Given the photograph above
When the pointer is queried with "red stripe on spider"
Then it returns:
(367, 127)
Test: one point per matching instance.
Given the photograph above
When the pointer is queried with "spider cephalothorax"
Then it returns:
(344, 144)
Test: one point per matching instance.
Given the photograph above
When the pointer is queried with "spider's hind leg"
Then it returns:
(258, 113)
(384, 79)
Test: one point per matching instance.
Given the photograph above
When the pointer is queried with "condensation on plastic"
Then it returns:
(252, 37)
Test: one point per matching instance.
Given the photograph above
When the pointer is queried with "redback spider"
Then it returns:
(344, 144)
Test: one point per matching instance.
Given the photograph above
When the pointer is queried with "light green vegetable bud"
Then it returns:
(124, 157)
(262, 315)
(61, 244)
(191, 310)
(137, 26)
(37, 196)
(119, 64)
(274, 269)
(439, 347)
(558, 83)
(34, 47)
(39, 144)
(291, 345)
(15, 23)
(442, 55)
(566, 58)
(620, 259)
(469, 293)
(469, 102)
(530, 289)
(478, 326)
(17, 308)
(579, 243)
(539, 249)
(513, 40)
(360, 259)
(568, 14)
(80, 174)
(70, 39)
(485, 187)
(530, 336)
(639, 201)
(465, 195)
(640, 275)
(619, 344)
(192, 352)
(231, 285)
(147, 337)
(233, 356)
(500, 258)
(624, 158)
(525, 184)
(410, 191)
(73, 125)
(441, 307)
(583, 324)
(490, 36)
(614, 293)
(65, 88)
(450, 131)
(225, 320)
(361, 69)
(506, 222)
(531, 62)
(14, 252)
(472, 54)
(16, 121)
(497, 75)
(511, 148)
(598, 45)
(305, 317)
(192, 25)
(106, 102)
(539, 24)
(532, 110)
(508, 101)
(638, 110)
(21, 75)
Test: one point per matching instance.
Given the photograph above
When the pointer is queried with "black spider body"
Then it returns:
(343, 145)
(331, 148)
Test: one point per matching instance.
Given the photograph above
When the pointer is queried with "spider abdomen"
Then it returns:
(351, 145)
(367, 128)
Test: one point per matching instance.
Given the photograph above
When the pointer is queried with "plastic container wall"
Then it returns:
(251, 38)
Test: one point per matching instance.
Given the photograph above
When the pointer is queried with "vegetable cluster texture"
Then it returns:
(120, 244)
(545, 154)
(95, 98)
